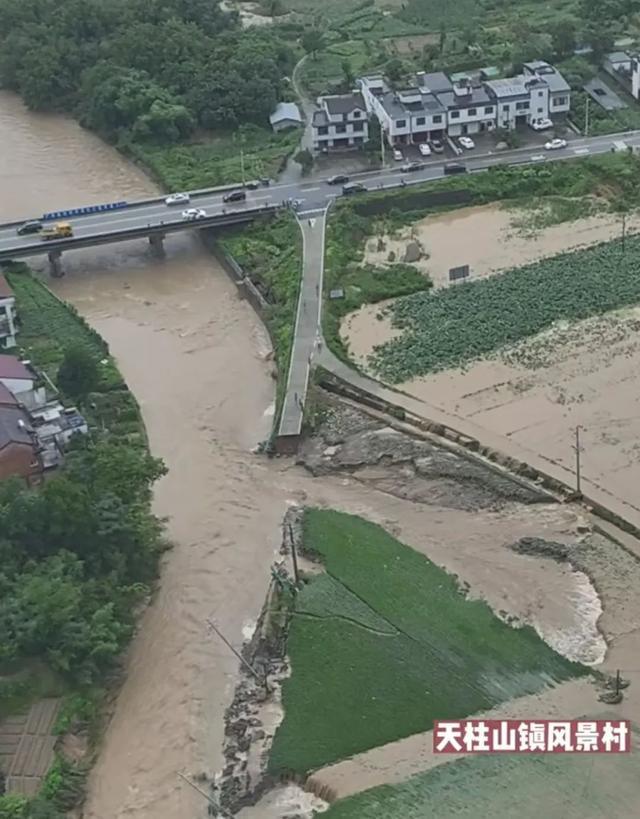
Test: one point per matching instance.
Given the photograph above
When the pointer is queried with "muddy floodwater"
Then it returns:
(196, 358)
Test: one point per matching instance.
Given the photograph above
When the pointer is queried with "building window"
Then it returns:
(340, 129)
(541, 93)
(541, 110)
(358, 126)
(323, 130)
(522, 106)
(420, 121)
(356, 114)
(505, 109)
(455, 114)
(437, 119)
(472, 112)
(488, 109)
(559, 101)
(400, 123)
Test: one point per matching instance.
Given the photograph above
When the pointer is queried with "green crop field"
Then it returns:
(385, 643)
(459, 325)
(553, 786)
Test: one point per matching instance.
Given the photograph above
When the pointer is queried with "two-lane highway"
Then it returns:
(139, 218)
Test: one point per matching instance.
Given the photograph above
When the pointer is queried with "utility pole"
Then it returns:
(382, 144)
(578, 449)
(262, 680)
(294, 557)
(242, 165)
(624, 229)
(586, 116)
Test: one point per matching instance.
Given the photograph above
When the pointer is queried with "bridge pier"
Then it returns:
(55, 264)
(156, 242)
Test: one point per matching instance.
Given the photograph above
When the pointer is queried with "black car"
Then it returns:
(455, 167)
(29, 227)
(353, 187)
(234, 196)
(338, 179)
(410, 167)
(253, 185)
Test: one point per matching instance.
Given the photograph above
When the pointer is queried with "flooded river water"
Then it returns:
(195, 357)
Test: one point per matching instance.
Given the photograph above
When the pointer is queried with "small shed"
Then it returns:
(286, 115)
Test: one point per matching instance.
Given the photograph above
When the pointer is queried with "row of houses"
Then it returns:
(625, 67)
(35, 427)
(432, 105)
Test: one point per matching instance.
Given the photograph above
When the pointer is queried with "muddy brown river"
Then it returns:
(196, 358)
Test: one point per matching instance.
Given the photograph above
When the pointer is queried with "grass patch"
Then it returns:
(217, 159)
(534, 215)
(47, 327)
(456, 326)
(492, 785)
(361, 283)
(28, 682)
(270, 253)
(386, 644)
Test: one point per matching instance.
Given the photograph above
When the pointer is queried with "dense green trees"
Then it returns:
(141, 69)
(75, 557)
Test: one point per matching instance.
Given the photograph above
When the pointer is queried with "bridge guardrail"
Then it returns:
(62, 214)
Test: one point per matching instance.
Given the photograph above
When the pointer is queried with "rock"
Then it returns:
(381, 245)
(391, 257)
(544, 548)
(259, 734)
(413, 252)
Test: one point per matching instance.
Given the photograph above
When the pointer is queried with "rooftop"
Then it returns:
(435, 82)
(7, 398)
(477, 96)
(285, 110)
(393, 105)
(509, 87)
(618, 57)
(14, 427)
(549, 74)
(320, 118)
(344, 103)
(5, 291)
(12, 367)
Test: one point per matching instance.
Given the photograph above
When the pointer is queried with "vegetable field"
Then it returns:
(459, 325)
(385, 643)
(554, 786)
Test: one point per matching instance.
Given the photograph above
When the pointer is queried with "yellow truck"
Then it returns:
(61, 230)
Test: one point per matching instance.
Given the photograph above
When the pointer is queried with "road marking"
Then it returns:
(537, 158)
(317, 188)
(581, 151)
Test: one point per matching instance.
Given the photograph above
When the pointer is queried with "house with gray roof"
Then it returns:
(340, 122)
(559, 88)
(286, 115)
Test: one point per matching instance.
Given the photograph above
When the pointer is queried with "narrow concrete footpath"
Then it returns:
(307, 329)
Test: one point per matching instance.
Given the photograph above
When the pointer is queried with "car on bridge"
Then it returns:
(177, 199)
(191, 214)
(235, 196)
(61, 230)
(33, 226)
(555, 144)
(338, 179)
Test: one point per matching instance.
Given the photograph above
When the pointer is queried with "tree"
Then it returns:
(563, 38)
(347, 73)
(305, 159)
(395, 69)
(372, 145)
(78, 373)
(312, 41)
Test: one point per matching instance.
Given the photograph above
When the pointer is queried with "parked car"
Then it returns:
(541, 124)
(235, 196)
(177, 199)
(252, 184)
(353, 187)
(338, 179)
(437, 146)
(194, 213)
(467, 143)
(454, 167)
(424, 149)
(397, 155)
(410, 167)
(554, 144)
(265, 182)
(29, 227)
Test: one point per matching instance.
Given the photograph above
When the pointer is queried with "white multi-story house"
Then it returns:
(8, 317)
(635, 77)
(559, 88)
(340, 122)
(519, 100)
